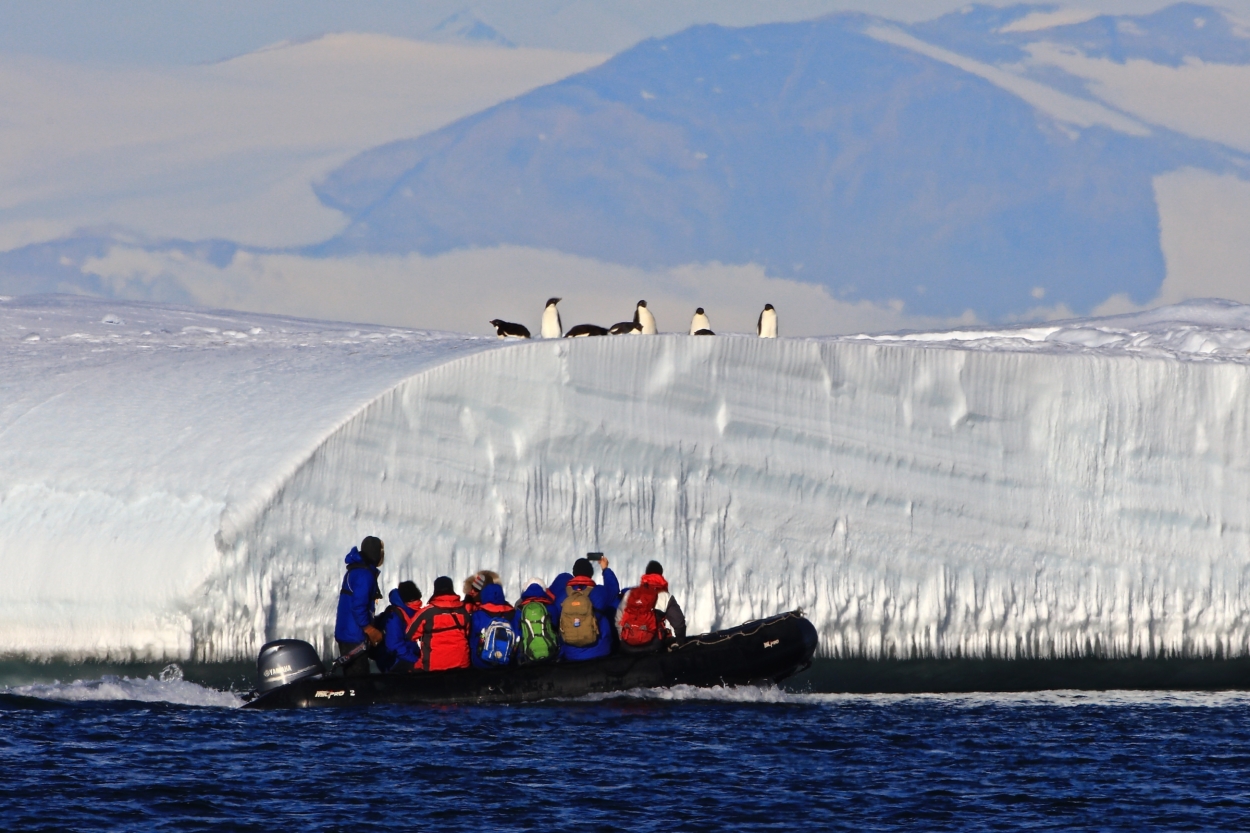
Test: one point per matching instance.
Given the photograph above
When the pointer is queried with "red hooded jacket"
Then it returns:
(443, 631)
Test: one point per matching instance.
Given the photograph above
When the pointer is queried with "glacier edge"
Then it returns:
(914, 500)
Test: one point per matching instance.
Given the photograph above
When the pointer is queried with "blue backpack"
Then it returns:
(497, 643)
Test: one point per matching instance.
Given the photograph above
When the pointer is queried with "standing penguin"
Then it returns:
(766, 327)
(644, 319)
(552, 327)
(699, 322)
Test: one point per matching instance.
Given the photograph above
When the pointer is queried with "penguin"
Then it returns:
(625, 327)
(644, 319)
(704, 332)
(552, 326)
(506, 329)
(766, 327)
(699, 322)
(583, 330)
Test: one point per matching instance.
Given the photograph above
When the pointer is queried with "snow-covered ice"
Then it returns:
(184, 484)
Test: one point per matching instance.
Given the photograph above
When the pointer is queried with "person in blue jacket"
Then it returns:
(353, 626)
(402, 653)
(491, 606)
(603, 598)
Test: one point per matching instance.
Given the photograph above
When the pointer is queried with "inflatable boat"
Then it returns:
(290, 674)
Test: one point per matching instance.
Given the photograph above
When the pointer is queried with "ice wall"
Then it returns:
(1047, 490)
(126, 430)
(912, 498)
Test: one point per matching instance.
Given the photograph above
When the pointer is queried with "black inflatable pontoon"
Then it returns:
(764, 651)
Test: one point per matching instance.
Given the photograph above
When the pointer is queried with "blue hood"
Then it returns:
(534, 591)
(354, 557)
(396, 599)
(493, 594)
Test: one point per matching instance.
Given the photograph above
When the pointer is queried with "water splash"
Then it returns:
(170, 687)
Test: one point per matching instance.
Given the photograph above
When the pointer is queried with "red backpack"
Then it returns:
(638, 625)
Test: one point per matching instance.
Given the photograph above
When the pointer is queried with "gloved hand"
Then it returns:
(373, 635)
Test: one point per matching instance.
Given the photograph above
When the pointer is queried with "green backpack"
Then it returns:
(538, 640)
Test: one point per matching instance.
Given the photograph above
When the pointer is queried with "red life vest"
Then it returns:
(442, 629)
(639, 623)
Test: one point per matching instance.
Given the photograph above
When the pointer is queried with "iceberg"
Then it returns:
(183, 484)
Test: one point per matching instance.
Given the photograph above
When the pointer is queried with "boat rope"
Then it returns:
(724, 636)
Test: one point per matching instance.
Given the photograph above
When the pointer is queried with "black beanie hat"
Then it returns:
(581, 567)
(409, 592)
(654, 569)
(371, 550)
(443, 586)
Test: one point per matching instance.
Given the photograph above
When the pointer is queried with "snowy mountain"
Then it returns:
(466, 27)
(176, 483)
(850, 152)
(1001, 164)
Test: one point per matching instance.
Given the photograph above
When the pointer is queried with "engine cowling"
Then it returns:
(285, 661)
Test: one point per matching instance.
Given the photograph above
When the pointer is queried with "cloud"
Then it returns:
(1205, 234)
(230, 149)
(463, 290)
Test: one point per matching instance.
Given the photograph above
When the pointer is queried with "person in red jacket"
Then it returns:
(648, 615)
(442, 629)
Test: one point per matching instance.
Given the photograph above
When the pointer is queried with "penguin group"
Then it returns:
(642, 324)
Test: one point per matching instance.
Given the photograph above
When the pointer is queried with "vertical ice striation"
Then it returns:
(186, 484)
(913, 499)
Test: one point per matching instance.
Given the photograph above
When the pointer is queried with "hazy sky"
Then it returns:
(195, 31)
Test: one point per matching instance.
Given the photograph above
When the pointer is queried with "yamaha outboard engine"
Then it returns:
(285, 661)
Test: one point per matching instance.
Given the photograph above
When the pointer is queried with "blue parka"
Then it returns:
(356, 599)
(399, 648)
(492, 605)
(604, 598)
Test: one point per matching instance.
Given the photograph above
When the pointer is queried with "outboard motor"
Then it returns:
(285, 661)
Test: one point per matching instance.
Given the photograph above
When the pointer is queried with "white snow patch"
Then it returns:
(1038, 21)
(1058, 105)
(1206, 101)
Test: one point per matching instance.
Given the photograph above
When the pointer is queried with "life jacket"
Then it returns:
(578, 625)
(442, 629)
(538, 637)
(639, 623)
(406, 614)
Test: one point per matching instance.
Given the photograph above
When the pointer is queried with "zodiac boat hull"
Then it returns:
(764, 651)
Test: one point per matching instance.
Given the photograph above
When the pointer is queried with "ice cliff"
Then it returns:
(1048, 490)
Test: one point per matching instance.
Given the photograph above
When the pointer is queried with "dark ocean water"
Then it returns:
(145, 754)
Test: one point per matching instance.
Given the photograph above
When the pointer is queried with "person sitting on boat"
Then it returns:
(535, 624)
(586, 610)
(401, 652)
(353, 625)
(473, 586)
(648, 615)
(442, 629)
(492, 639)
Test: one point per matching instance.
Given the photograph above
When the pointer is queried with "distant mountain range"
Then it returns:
(944, 165)
(819, 150)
